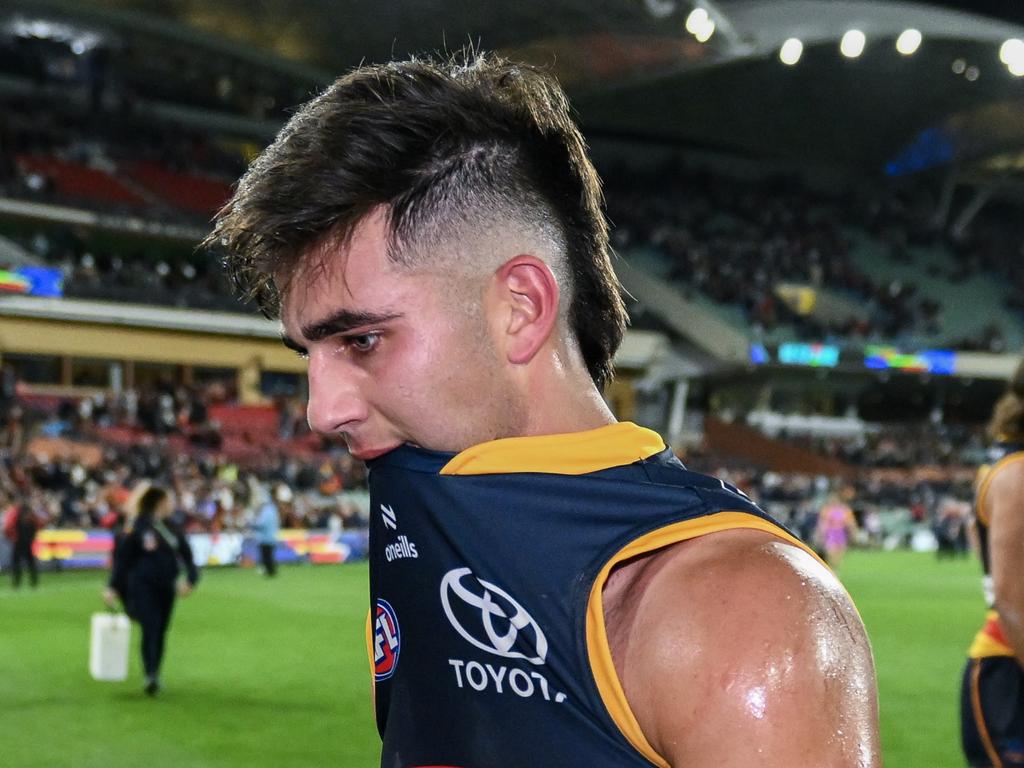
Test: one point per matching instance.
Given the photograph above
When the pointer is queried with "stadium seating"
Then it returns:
(187, 191)
(80, 182)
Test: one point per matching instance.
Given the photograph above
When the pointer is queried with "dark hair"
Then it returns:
(428, 140)
(1007, 421)
(150, 499)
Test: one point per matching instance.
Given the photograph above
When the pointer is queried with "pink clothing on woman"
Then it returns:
(834, 526)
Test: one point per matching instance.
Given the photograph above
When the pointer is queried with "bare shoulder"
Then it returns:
(1007, 478)
(739, 648)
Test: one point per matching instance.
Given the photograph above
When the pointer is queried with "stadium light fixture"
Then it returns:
(1011, 50)
(791, 51)
(1011, 53)
(696, 20)
(852, 44)
(909, 41)
(704, 33)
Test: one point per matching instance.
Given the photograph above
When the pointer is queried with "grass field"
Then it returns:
(274, 673)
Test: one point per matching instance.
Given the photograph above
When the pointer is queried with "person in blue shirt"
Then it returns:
(265, 525)
(548, 586)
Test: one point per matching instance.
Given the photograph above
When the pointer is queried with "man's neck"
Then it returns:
(562, 398)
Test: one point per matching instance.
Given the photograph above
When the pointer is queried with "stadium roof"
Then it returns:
(653, 69)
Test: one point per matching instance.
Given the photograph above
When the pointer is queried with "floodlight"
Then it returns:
(696, 20)
(959, 65)
(791, 51)
(852, 44)
(909, 41)
(705, 32)
(1011, 50)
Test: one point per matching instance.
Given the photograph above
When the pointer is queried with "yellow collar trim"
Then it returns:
(573, 453)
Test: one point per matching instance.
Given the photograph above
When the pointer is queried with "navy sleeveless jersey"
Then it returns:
(485, 585)
(991, 639)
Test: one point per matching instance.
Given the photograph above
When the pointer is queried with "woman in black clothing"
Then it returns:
(147, 563)
(24, 526)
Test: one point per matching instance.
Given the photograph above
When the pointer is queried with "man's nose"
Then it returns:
(335, 402)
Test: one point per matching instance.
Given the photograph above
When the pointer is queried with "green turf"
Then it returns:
(274, 673)
(921, 615)
(257, 673)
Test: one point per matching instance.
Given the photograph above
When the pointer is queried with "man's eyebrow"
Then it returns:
(343, 321)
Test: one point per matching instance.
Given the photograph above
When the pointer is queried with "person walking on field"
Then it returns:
(265, 526)
(147, 563)
(836, 524)
(20, 527)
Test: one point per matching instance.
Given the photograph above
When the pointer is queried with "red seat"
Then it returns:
(188, 191)
(80, 181)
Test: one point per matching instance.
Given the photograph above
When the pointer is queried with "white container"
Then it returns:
(108, 646)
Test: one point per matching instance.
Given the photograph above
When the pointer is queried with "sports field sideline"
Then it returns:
(274, 673)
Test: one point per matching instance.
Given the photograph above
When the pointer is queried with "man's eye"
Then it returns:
(364, 342)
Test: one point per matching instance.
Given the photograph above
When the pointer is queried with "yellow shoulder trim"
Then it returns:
(986, 481)
(369, 641)
(573, 453)
(984, 647)
(369, 656)
(598, 651)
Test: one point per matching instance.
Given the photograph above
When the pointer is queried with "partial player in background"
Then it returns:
(992, 692)
(836, 526)
(147, 564)
(549, 587)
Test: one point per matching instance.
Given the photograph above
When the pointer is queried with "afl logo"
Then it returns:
(489, 618)
(387, 641)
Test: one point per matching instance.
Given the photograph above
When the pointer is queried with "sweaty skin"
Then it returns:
(733, 649)
(1002, 505)
(739, 649)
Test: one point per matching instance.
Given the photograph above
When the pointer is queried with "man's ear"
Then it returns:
(529, 295)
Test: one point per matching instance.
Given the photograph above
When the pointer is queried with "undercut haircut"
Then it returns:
(436, 144)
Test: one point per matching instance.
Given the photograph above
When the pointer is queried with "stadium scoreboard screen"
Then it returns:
(872, 357)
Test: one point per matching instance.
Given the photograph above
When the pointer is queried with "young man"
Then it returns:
(548, 587)
(992, 692)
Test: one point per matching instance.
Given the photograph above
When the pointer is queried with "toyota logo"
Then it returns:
(496, 619)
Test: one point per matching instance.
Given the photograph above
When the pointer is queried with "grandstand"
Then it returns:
(821, 246)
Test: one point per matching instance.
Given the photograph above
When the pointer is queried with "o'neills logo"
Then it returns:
(401, 548)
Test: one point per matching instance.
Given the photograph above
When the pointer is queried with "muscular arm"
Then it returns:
(739, 649)
(1004, 505)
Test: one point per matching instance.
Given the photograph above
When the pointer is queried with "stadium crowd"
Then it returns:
(95, 269)
(76, 461)
(904, 446)
(60, 153)
(736, 242)
(889, 507)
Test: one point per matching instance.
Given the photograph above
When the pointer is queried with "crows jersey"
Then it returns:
(991, 640)
(486, 628)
